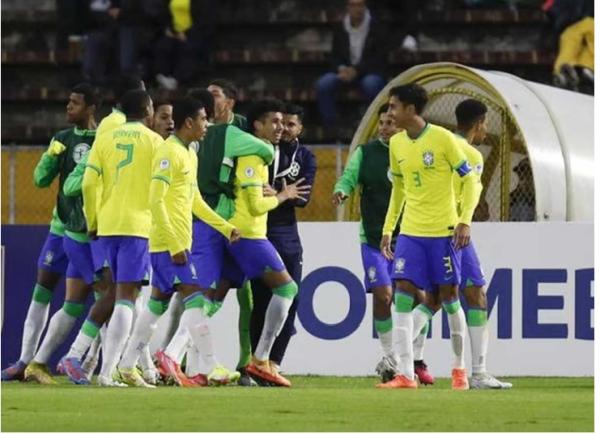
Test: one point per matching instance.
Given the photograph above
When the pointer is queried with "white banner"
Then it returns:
(540, 286)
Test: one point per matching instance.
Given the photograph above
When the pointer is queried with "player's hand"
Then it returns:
(269, 191)
(92, 235)
(351, 73)
(386, 247)
(294, 191)
(462, 235)
(179, 258)
(181, 36)
(339, 197)
(235, 235)
(56, 148)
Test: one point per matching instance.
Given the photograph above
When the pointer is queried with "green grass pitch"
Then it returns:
(313, 404)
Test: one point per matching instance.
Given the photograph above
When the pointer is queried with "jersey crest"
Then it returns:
(428, 158)
(79, 151)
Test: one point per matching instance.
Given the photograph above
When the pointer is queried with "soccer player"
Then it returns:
(174, 195)
(68, 148)
(120, 163)
(103, 306)
(292, 162)
(423, 158)
(368, 168)
(225, 94)
(471, 128)
(254, 254)
(163, 118)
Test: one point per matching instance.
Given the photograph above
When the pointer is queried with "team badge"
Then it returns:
(249, 172)
(372, 273)
(294, 169)
(428, 158)
(49, 257)
(79, 151)
(164, 164)
(399, 265)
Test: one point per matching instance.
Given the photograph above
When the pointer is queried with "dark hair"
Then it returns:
(294, 109)
(383, 109)
(258, 110)
(229, 88)
(134, 103)
(91, 95)
(125, 83)
(469, 112)
(207, 99)
(411, 94)
(186, 107)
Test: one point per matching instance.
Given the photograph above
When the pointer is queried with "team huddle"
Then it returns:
(161, 194)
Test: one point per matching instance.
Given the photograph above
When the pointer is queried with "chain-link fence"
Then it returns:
(24, 203)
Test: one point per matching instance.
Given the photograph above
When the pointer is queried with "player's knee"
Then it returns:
(41, 294)
(382, 296)
(287, 290)
(475, 297)
(403, 302)
(73, 309)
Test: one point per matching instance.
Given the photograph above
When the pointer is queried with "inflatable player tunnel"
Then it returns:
(539, 153)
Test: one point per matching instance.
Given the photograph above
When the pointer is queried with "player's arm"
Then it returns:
(349, 179)
(477, 169)
(239, 143)
(89, 187)
(72, 185)
(205, 213)
(394, 207)
(49, 165)
(471, 188)
(162, 170)
(248, 172)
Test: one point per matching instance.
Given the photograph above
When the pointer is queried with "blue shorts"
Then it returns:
(52, 256)
(166, 275)
(81, 264)
(378, 269)
(471, 273)
(255, 257)
(208, 253)
(127, 257)
(427, 261)
(98, 256)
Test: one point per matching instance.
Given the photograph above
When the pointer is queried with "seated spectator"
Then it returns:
(358, 56)
(189, 26)
(522, 198)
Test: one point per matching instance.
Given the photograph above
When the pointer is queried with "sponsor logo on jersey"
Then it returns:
(479, 169)
(295, 169)
(164, 164)
(79, 151)
(249, 172)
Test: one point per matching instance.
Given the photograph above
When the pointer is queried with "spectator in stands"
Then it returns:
(189, 27)
(110, 24)
(358, 56)
(522, 198)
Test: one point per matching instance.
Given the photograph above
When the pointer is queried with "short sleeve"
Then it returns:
(163, 164)
(455, 155)
(249, 171)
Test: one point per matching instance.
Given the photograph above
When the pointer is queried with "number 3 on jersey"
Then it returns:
(127, 160)
(417, 178)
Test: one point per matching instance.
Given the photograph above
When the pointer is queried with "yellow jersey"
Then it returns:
(113, 120)
(251, 208)
(421, 170)
(174, 196)
(120, 163)
(475, 160)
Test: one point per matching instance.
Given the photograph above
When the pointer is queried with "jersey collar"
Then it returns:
(421, 133)
(178, 140)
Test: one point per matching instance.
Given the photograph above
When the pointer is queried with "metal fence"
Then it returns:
(24, 203)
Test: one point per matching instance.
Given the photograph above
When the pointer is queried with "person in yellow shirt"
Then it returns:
(471, 128)
(174, 196)
(120, 164)
(254, 254)
(423, 159)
